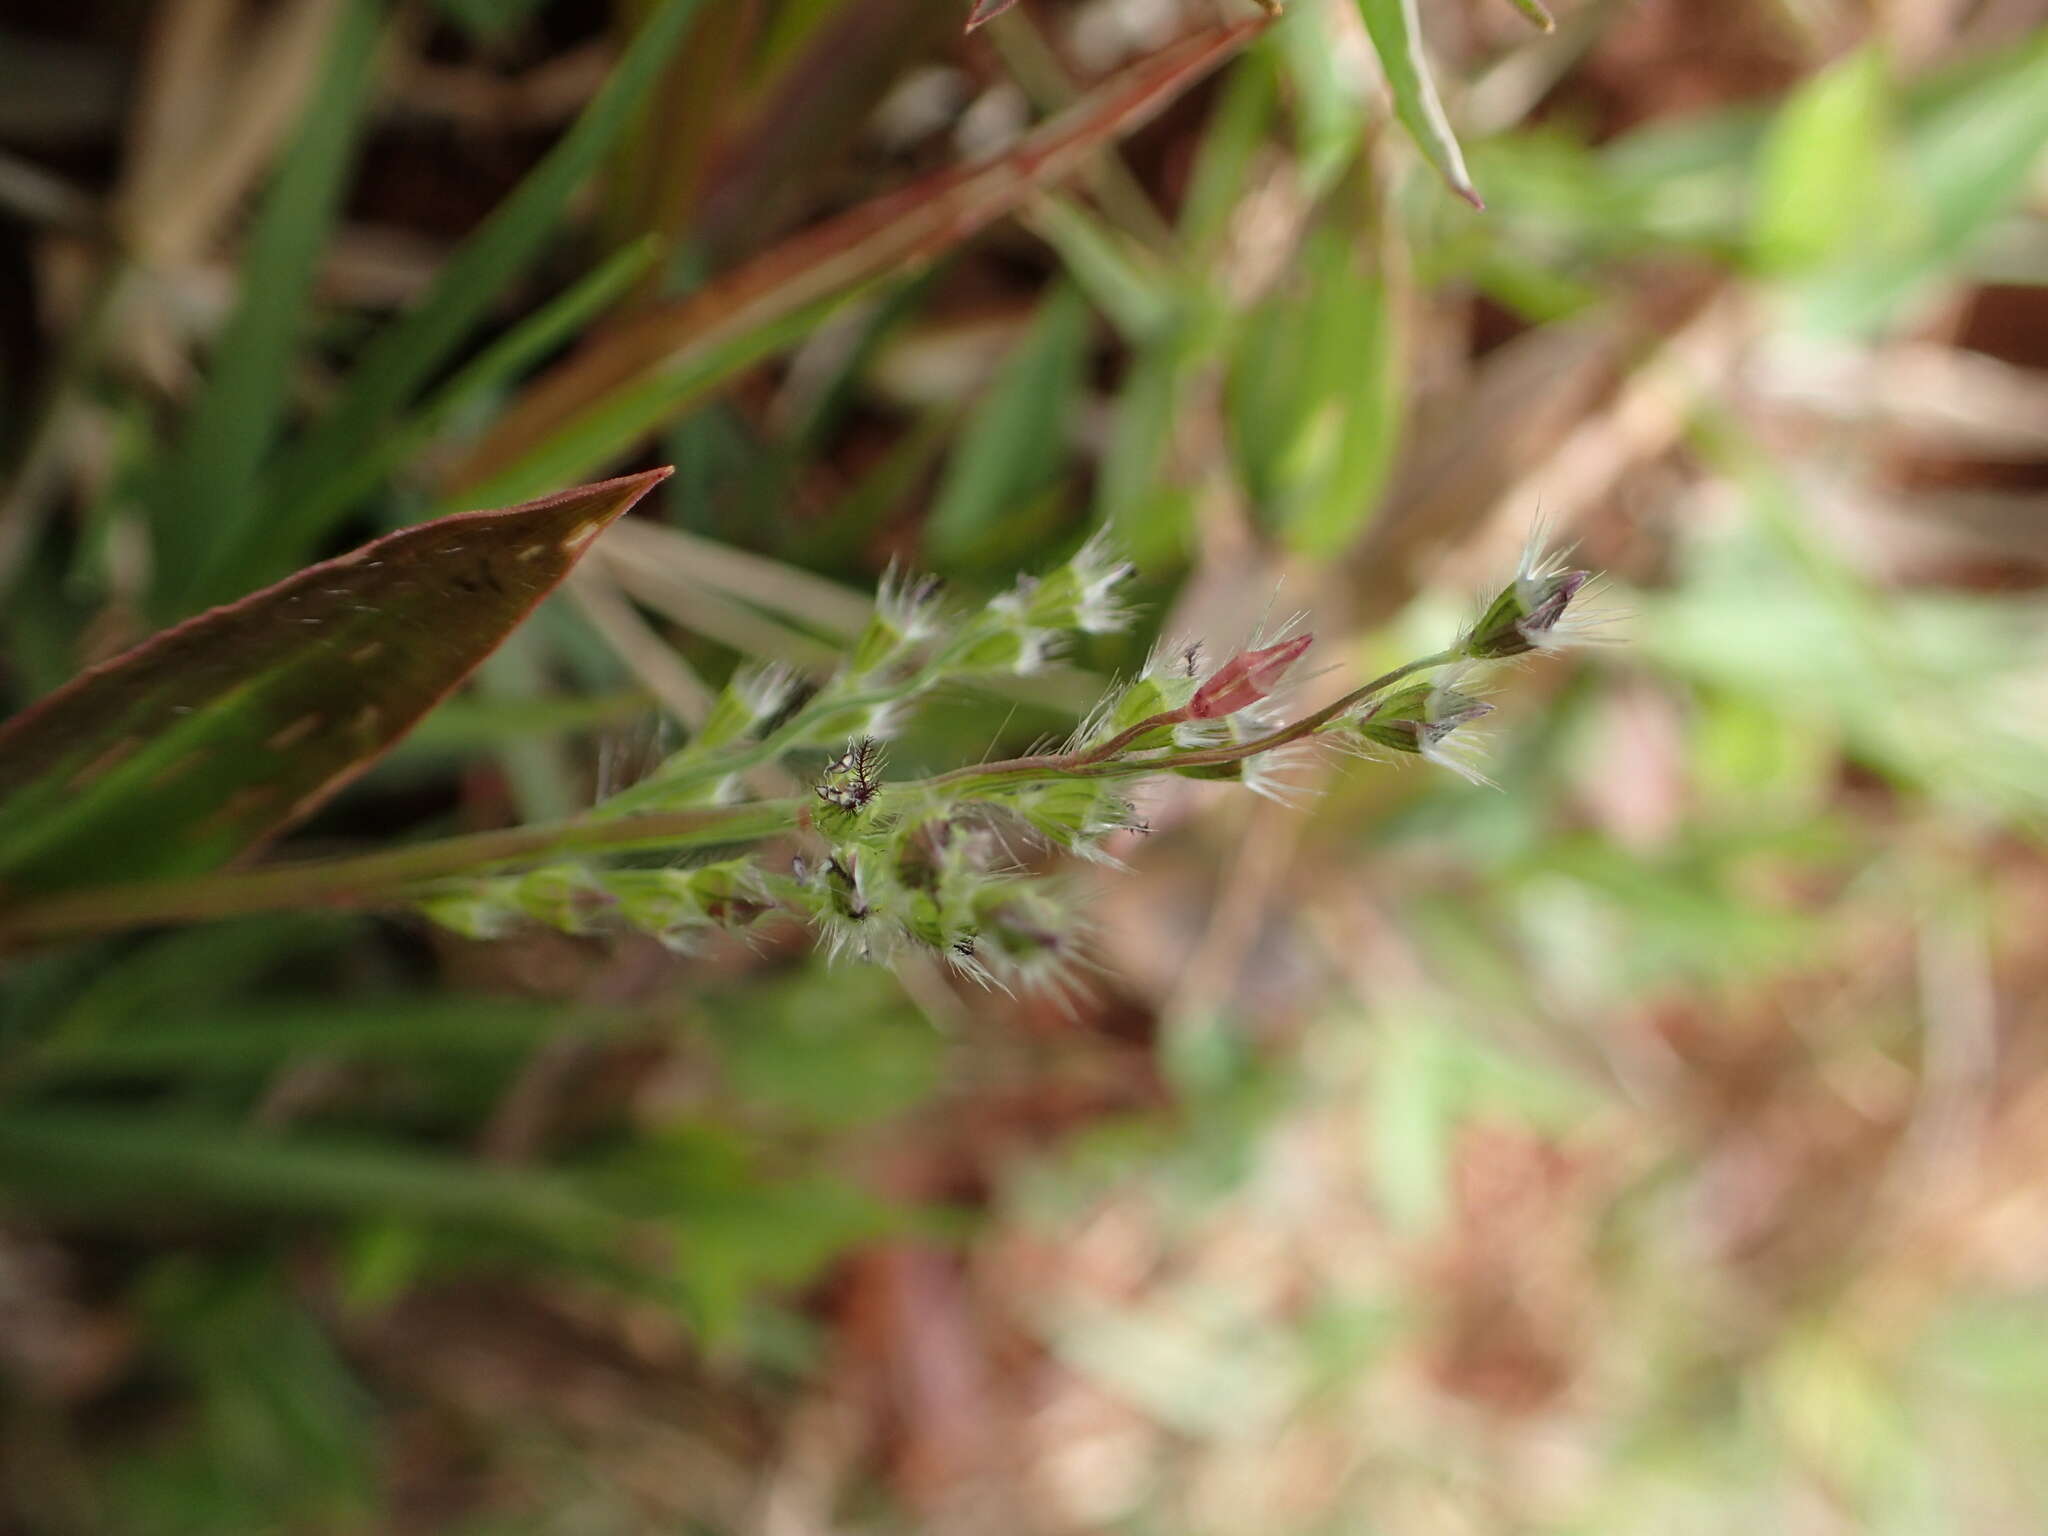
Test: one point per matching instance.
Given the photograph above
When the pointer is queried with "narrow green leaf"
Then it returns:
(488, 20)
(1396, 32)
(536, 335)
(632, 377)
(469, 727)
(1128, 283)
(1231, 141)
(789, 27)
(290, 1436)
(634, 408)
(1329, 103)
(402, 1027)
(837, 538)
(1137, 492)
(1534, 13)
(408, 352)
(86, 1160)
(209, 494)
(189, 970)
(1314, 394)
(1011, 447)
(183, 752)
(1821, 186)
(1344, 447)
(1972, 144)
(1411, 1125)
(1973, 150)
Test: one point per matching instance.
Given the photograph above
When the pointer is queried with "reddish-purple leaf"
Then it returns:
(200, 742)
(986, 11)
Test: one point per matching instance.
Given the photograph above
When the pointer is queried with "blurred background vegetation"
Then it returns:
(1657, 1145)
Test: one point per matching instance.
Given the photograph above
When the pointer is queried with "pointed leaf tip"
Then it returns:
(187, 750)
(986, 11)
(1536, 14)
(1395, 27)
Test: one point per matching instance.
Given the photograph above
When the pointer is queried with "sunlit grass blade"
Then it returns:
(406, 354)
(186, 750)
(1316, 396)
(1132, 286)
(812, 600)
(632, 377)
(1972, 144)
(469, 727)
(1396, 30)
(1822, 186)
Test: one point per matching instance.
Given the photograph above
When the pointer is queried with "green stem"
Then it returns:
(384, 879)
(378, 879)
(1129, 734)
(739, 757)
(1095, 764)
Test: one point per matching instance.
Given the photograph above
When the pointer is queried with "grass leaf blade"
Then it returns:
(506, 358)
(407, 353)
(210, 490)
(98, 1160)
(632, 377)
(1012, 445)
(1396, 31)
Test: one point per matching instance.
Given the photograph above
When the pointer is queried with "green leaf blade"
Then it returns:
(1396, 32)
(1012, 445)
(407, 354)
(1970, 145)
(211, 491)
(632, 376)
(97, 1161)
(1821, 183)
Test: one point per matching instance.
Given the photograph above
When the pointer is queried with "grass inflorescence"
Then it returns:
(874, 866)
